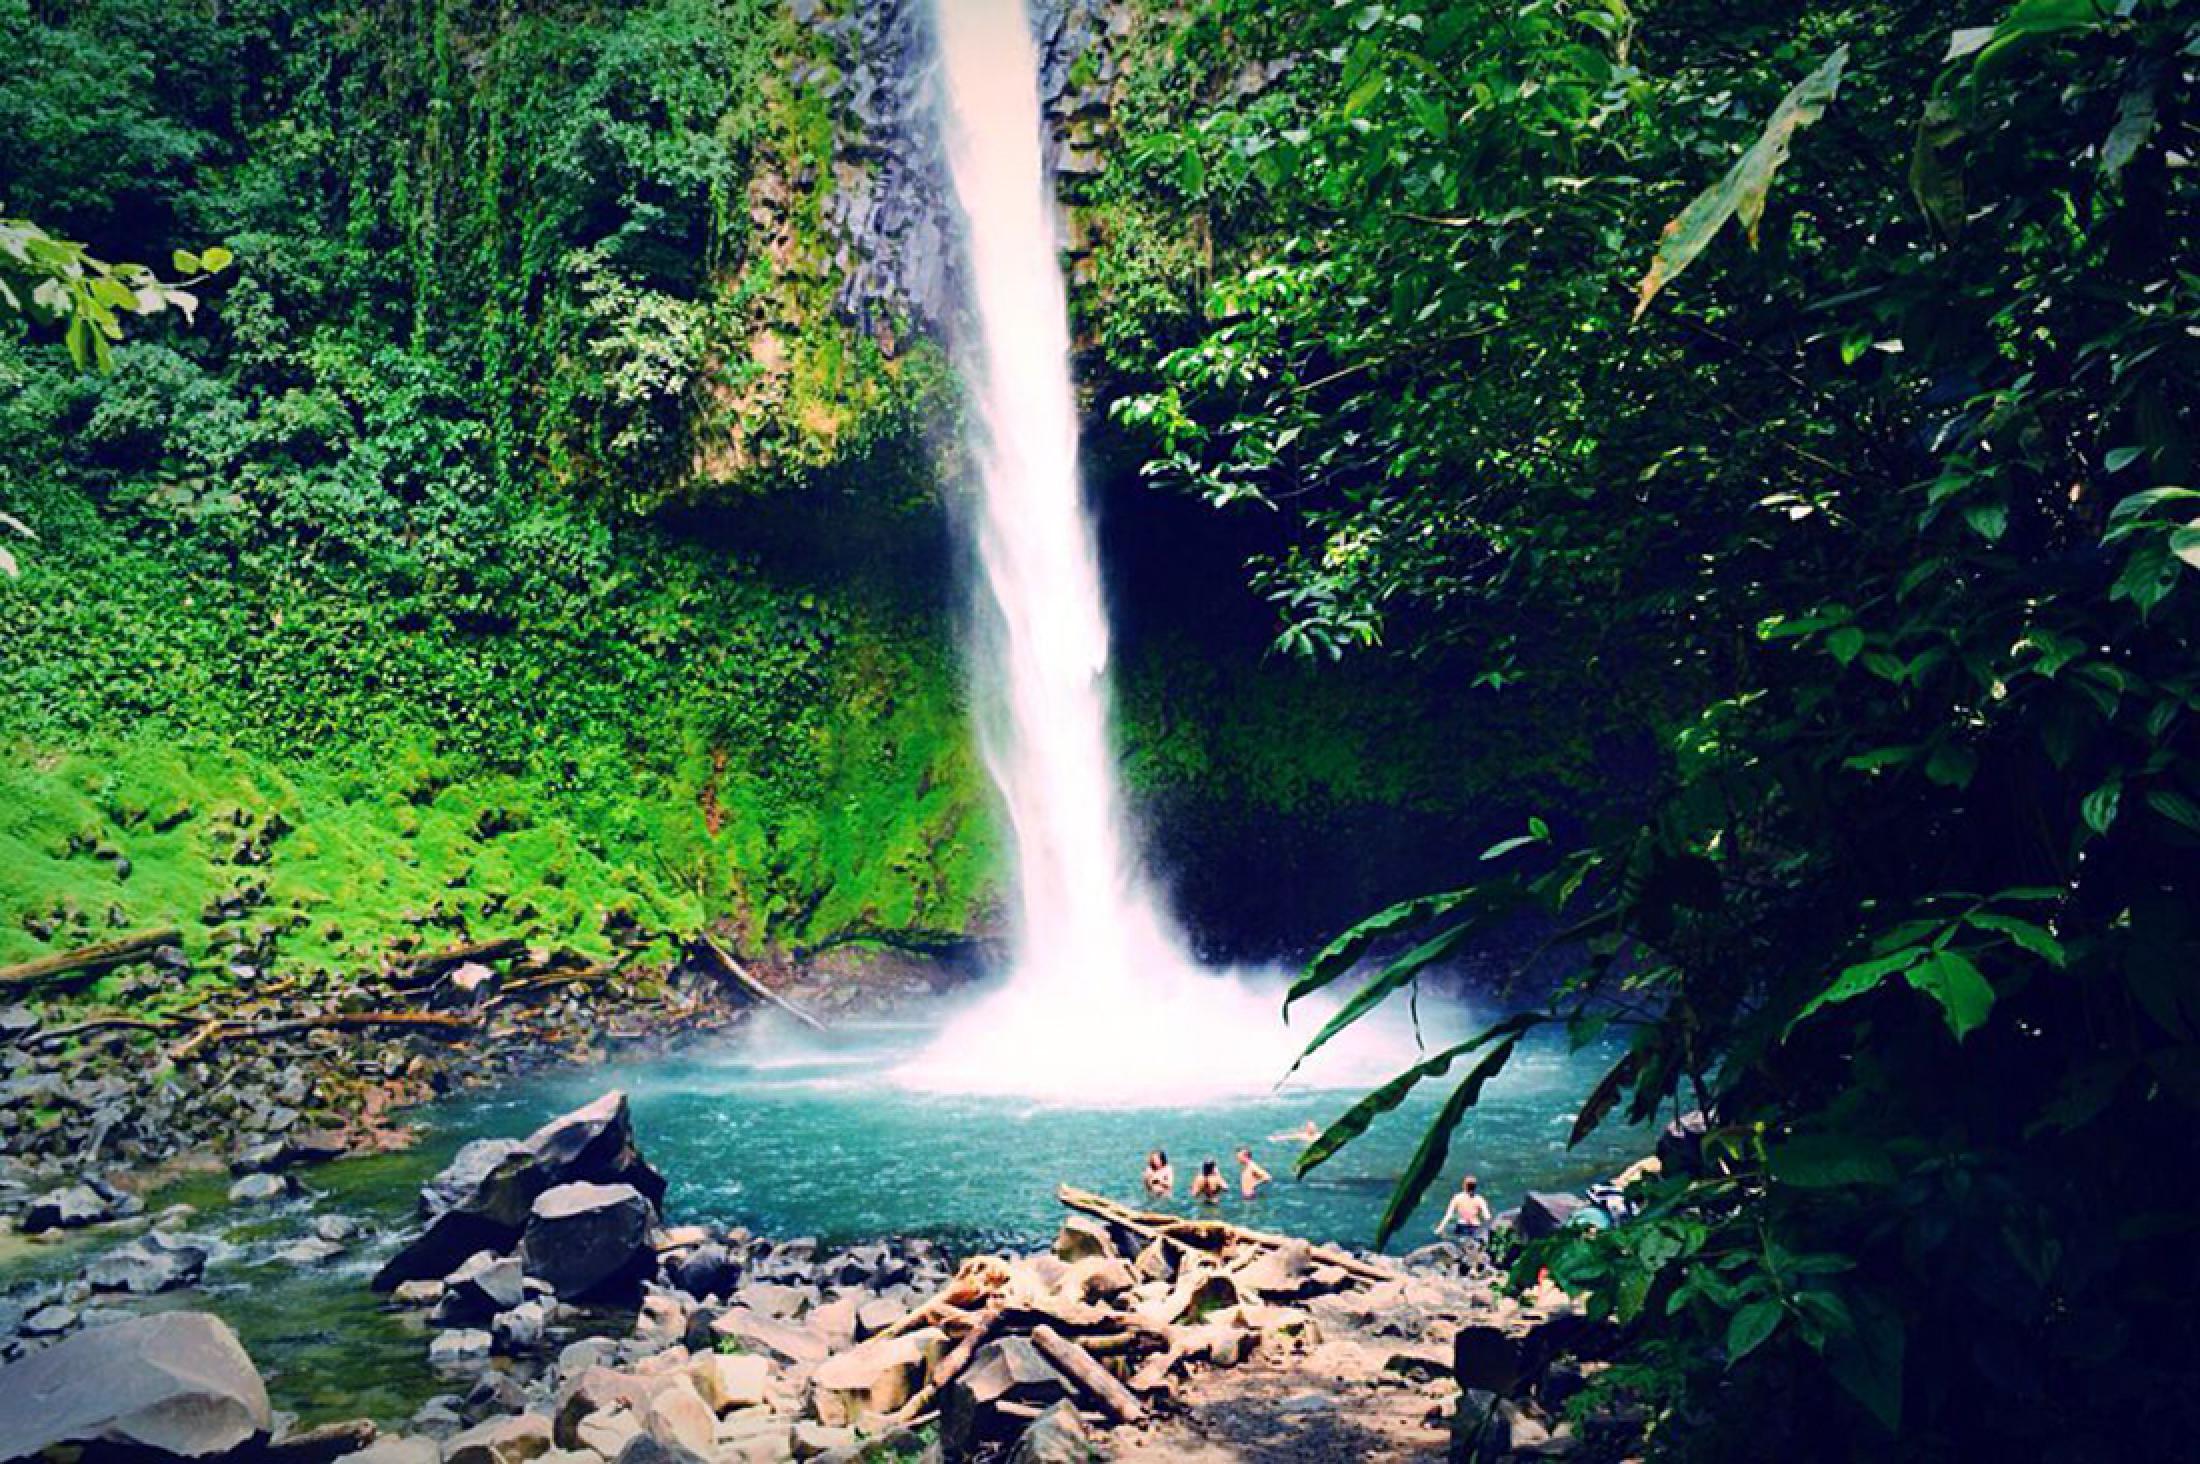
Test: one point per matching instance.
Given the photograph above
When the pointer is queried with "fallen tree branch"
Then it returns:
(239, 1031)
(1086, 1371)
(757, 988)
(87, 963)
(957, 1358)
(99, 1024)
(1174, 1230)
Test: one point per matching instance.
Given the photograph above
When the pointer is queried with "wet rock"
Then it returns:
(1057, 1436)
(49, 1321)
(460, 1348)
(324, 1444)
(417, 1293)
(589, 1240)
(178, 1383)
(1546, 1214)
(68, 1208)
(259, 1189)
(472, 1164)
(17, 1022)
(498, 1185)
(483, 1285)
(398, 1449)
(643, 1448)
(338, 1228)
(152, 1264)
(706, 1271)
(519, 1331)
(513, 1440)
(310, 1251)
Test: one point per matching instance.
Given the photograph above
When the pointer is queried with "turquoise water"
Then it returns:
(802, 1136)
(806, 1136)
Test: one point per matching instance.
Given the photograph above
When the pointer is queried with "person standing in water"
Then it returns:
(1207, 1185)
(1468, 1212)
(1250, 1175)
(1160, 1177)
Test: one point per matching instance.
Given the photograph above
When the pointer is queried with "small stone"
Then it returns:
(49, 1321)
(398, 1449)
(513, 1440)
(417, 1293)
(460, 1348)
(259, 1189)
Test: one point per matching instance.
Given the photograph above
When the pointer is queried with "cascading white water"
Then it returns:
(1102, 1003)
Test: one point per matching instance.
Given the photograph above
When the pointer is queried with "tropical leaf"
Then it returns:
(1750, 1327)
(1603, 1098)
(1428, 1159)
(1360, 1115)
(1741, 193)
(1343, 953)
(1949, 978)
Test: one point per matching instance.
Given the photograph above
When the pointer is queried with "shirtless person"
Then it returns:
(1305, 1133)
(1250, 1175)
(1467, 1210)
(1207, 1185)
(1160, 1175)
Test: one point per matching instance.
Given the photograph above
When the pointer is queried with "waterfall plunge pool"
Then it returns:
(792, 1134)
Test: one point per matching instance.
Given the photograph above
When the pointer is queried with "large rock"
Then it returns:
(179, 1383)
(483, 1285)
(157, 1262)
(788, 1342)
(706, 1271)
(1546, 1214)
(496, 1184)
(1057, 1436)
(678, 1417)
(589, 1240)
(66, 1209)
(1007, 1369)
(728, 1382)
(514, 1440)
(876, 1377)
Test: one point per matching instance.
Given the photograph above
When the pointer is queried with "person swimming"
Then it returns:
(1207, 1185)
(1305, 1133)
(1160, 1177)
(1250, 1175)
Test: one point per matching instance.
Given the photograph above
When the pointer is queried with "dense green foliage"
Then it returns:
(1879, 516)
(355, 551)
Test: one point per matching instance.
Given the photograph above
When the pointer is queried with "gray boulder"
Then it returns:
(179, 1383)
(66, 1209)
(1005, 1370)
(1546, 1214)
(259, 1189)
(485, 1284)
(497, 1182)
(152, 1264)
(1057, 1436)
(589, 1240)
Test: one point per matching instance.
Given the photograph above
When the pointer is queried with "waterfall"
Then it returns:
(1101, 1003)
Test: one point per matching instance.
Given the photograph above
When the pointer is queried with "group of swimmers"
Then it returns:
(1207, 1185)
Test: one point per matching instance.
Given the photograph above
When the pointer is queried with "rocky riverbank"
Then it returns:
(107, 1092)
(573, 1325)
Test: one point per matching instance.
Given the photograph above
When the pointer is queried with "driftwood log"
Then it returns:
(1210, 1238)
(87, 963)
(1085, 1370)
(757, 988)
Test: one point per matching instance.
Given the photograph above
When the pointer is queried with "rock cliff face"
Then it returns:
(887, 205)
